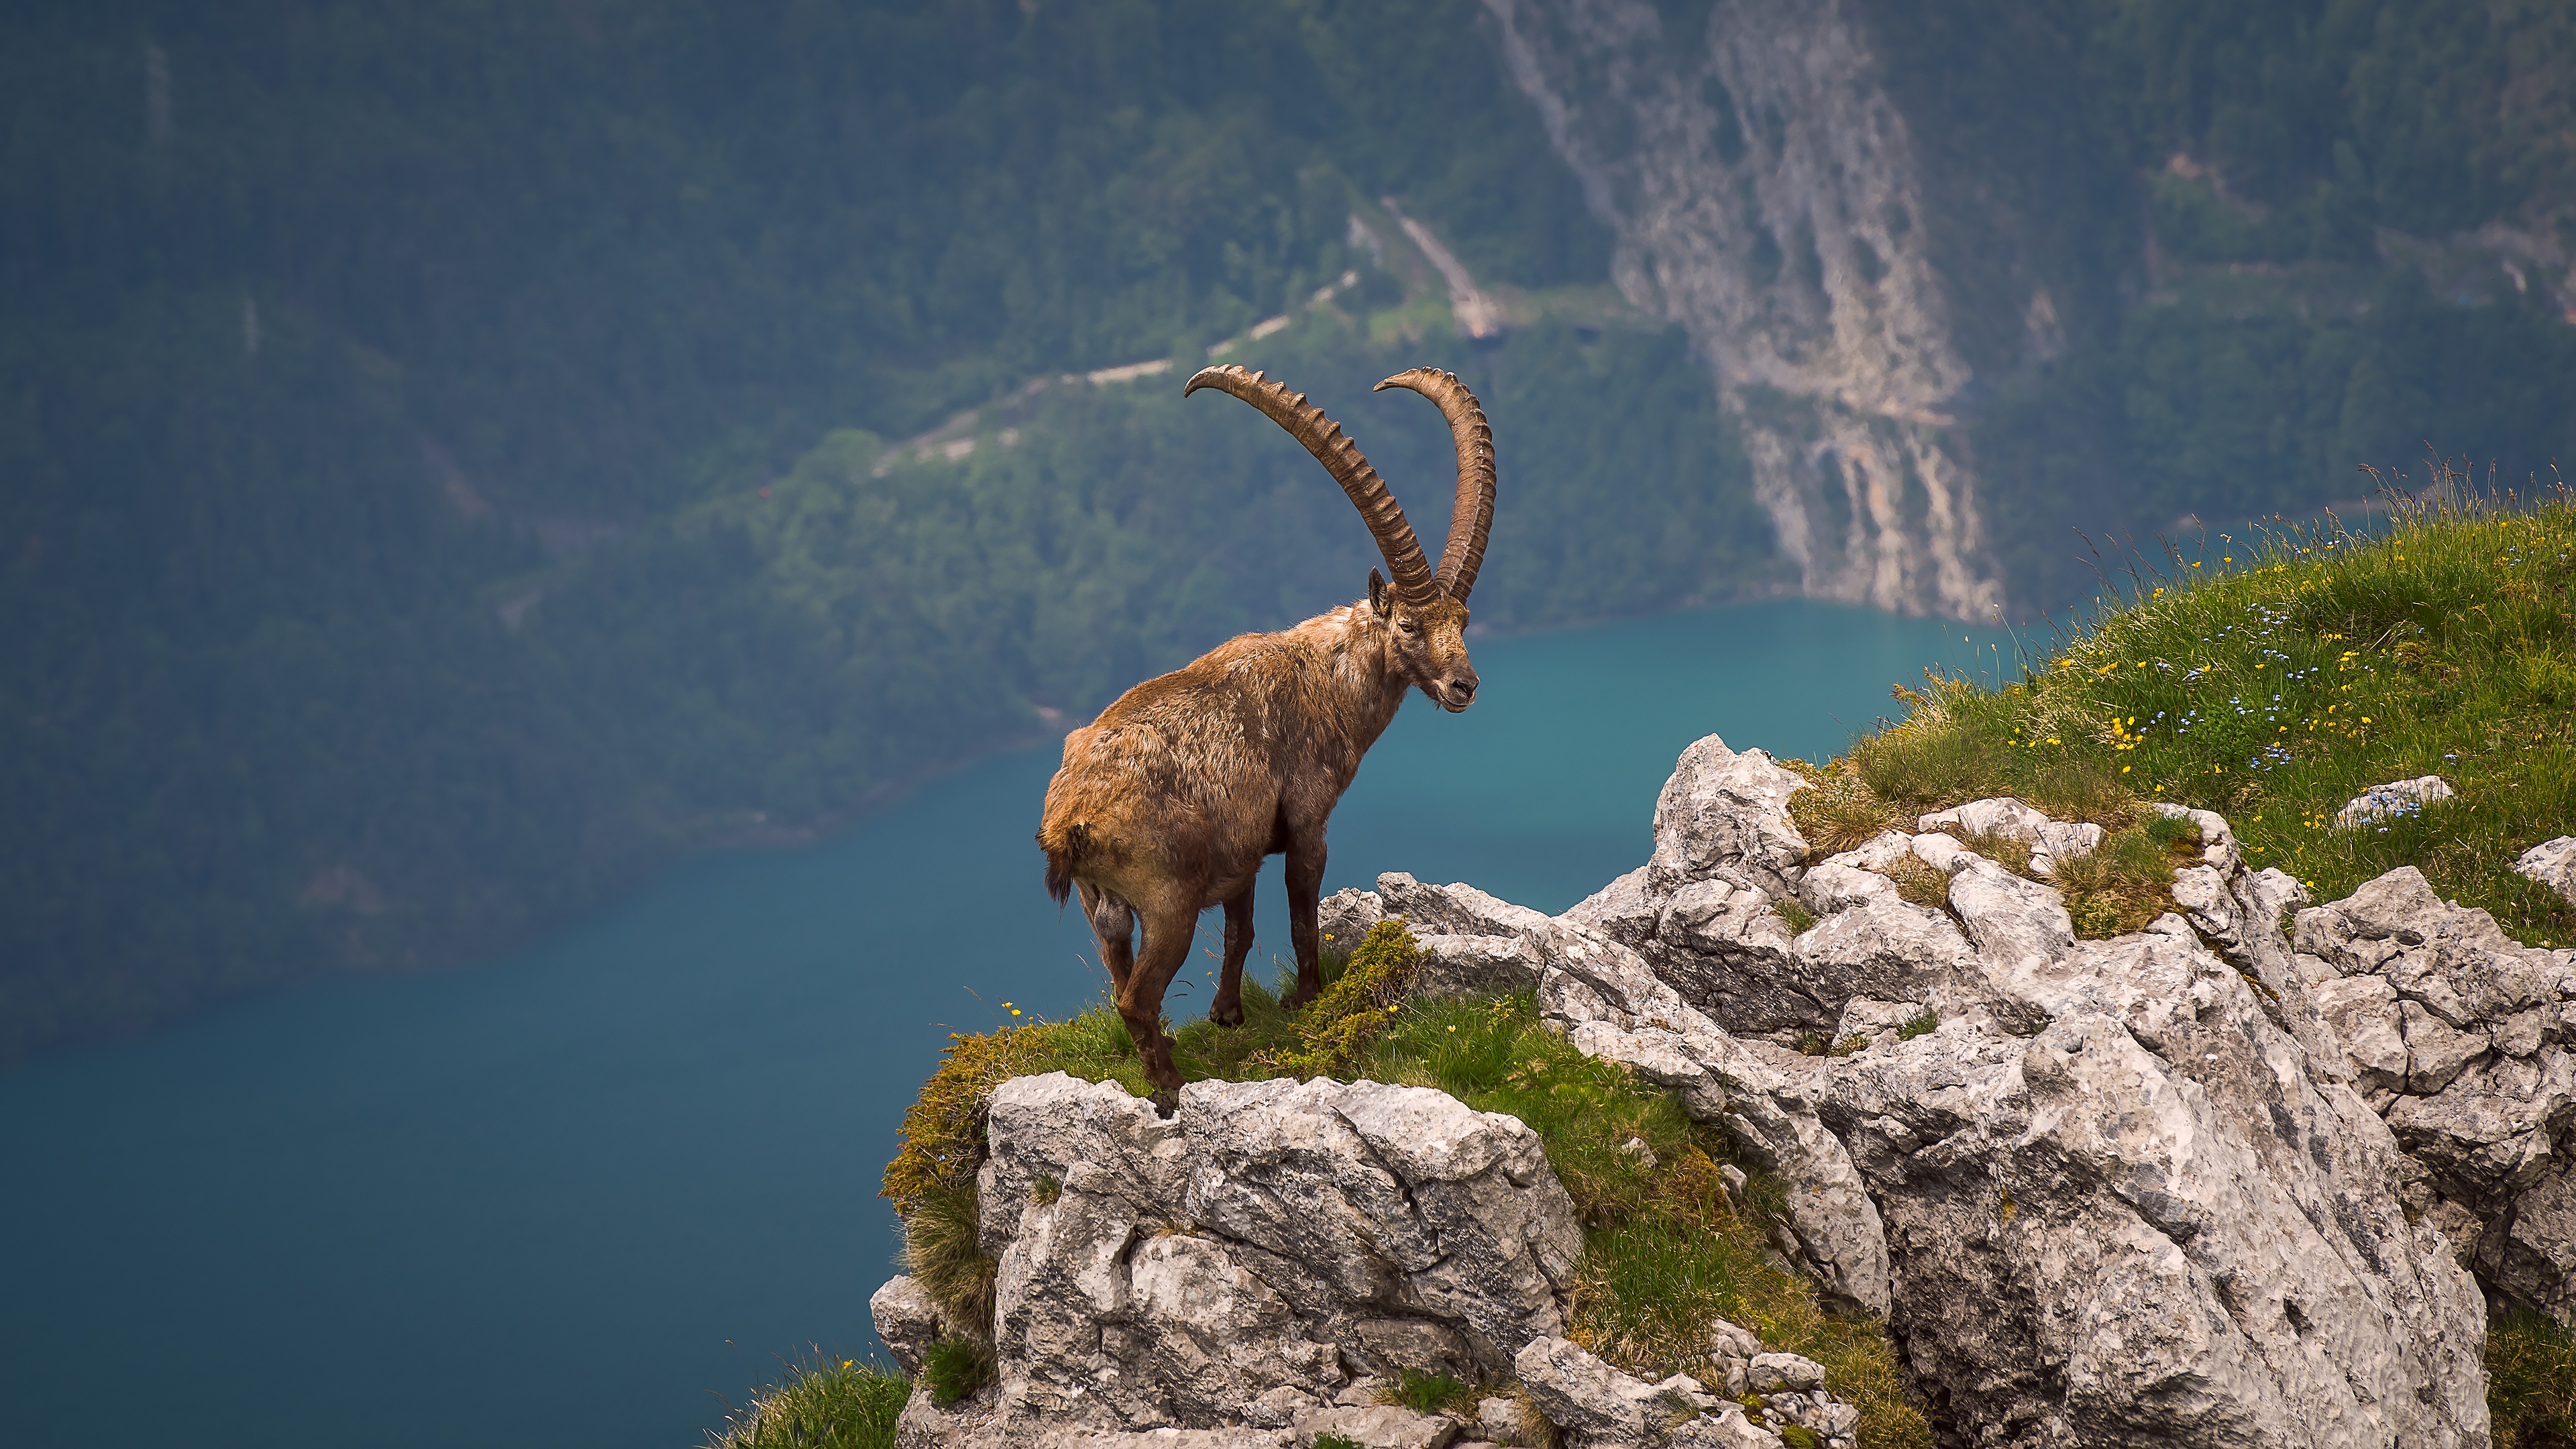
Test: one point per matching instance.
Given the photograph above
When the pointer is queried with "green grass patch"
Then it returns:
(1430, 1393)
(1842, 812)
(956, 1367)
(2531, 1383)
(2271, 679)
(819, 1404)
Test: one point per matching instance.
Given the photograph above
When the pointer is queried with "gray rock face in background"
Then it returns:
(2127, 1192)
(1270, 1243)
(1757, 129)
(2459, 1036)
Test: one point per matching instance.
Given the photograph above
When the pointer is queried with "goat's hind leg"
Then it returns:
(1114, 926)
(1168, 933)
(1227, 1009)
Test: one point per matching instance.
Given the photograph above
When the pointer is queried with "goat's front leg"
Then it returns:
(1305, 890)
(1168, 933)
(1227, 1009)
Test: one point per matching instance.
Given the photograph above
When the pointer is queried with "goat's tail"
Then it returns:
(1061, 854)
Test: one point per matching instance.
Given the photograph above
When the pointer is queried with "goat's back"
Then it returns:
(1185, 770)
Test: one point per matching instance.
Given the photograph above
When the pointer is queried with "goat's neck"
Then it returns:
(1366, 673)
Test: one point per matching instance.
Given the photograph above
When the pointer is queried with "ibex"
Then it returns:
(1167, 803)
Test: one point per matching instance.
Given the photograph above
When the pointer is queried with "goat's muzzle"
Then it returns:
(1458, 691)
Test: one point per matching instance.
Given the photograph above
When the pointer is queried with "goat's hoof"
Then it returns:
(1227, 1015)
(1166, 1102)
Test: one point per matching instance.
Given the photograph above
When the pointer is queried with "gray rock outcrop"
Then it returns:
(1272, 1243)
(2553, 864)
(2459, 1036)
(2126, 1192)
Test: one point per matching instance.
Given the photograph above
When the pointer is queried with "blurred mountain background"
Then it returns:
(456, 457)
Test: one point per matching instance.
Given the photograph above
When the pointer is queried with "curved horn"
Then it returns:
(1473, 516)
(1341, 457)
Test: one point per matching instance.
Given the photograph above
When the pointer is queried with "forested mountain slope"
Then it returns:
(452, 459)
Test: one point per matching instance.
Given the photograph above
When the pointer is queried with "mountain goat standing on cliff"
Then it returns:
(1166, 804)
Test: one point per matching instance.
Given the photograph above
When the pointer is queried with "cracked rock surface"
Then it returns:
(2127, 1191)
(1273, 1243)
(2459, 1036)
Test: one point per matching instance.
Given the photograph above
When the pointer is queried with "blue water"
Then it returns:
(570, 1197)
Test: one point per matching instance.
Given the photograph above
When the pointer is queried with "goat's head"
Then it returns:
(1427, 643)
(1425, 613)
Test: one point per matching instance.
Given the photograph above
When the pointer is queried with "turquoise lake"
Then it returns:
(580, 1195)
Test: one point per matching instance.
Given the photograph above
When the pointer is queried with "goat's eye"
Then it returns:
(1408, 626)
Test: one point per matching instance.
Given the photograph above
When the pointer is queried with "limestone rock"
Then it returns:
(1246, 1257)
(1601, 1408)
(1840, 882)
(1724, 809)
(2130, 1190)
(1468, 965)
(1624, 910)
(2458, 1035)
(1345, 917)
(1378, 1426)
(2398, 797)
(1867, 1020)
(2049, 840)
(2553, 864)
(1586, 976)
(907, 1321)
(1451, 910)
(1772, 1372)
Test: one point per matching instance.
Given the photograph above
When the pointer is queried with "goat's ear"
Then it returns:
(1377, 593)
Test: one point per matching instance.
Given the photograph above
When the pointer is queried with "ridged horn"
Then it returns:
(1473, 516)
(1342, 458)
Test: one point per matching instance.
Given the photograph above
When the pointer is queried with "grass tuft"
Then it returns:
(2531, 1383)
(1841, 812)
(942, 1253)
(1919, 883)
(2121, 885)
(2013, 855)
(1430, 1393)
(821, 1403)
(1338, 1026)
(1795, 912)
(956, 1367)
